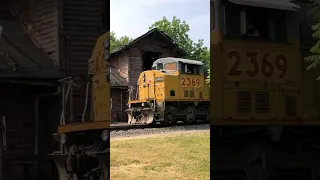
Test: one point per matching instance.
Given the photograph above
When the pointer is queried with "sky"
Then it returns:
(133, 17)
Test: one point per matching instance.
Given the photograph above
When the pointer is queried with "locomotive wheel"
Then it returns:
(169, 120)
(147, 116)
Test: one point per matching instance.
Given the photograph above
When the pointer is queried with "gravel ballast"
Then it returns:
(162, 130)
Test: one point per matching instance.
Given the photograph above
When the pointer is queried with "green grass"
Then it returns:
(180, 156)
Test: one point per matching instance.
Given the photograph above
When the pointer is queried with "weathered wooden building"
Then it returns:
(119, 95)
(42, 41)
(129, 61)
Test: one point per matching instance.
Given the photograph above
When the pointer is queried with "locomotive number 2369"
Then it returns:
(190, 81)
(267, 67)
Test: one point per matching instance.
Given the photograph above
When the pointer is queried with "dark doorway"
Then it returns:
(148, 57)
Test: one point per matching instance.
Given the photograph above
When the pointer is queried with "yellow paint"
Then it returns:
(158, 85)
(99, 68)
(100, 88)
(78, 127)
(224, 86)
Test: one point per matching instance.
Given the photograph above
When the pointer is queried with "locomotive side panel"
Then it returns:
(261, 62)
(253, 79)
(261, 80)
(172, 88)
(191, 87)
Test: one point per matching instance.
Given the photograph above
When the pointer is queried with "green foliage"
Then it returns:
(314, 59)
(178, 31)
(116, 43)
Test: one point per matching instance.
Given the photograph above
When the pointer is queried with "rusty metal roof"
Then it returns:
(20, 57)
(152, 31)
(285, 5)
(116, 80)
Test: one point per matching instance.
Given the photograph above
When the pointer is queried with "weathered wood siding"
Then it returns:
(39, 19)
(149, 43)
(118, 113)
(82, 22)
(18, 156)
(121, 63)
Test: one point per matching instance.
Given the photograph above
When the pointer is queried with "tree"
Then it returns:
(116, 43)
(178, 31)
(314, 59)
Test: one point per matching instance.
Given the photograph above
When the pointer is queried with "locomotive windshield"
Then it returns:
(158, 66)
(165, 67)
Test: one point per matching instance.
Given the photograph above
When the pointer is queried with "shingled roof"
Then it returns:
(152, 31)
(116, 80)
(21, 58)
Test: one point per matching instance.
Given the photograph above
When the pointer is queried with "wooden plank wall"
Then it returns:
(118, 114)
(40, 21)
(82, 22)
(150, 43)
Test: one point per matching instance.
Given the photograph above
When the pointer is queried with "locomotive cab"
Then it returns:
(178, 66)
(255, 66)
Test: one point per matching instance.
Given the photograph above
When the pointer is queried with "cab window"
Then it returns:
(170, 66)
(191, 69)
(255, 23)
(159, 67)
(154, 67)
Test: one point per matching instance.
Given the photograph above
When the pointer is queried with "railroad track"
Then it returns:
(126, 126)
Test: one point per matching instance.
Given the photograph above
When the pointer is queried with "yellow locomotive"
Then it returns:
(174, 90)
(264, 104)
(256, 78)
(84, 152)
